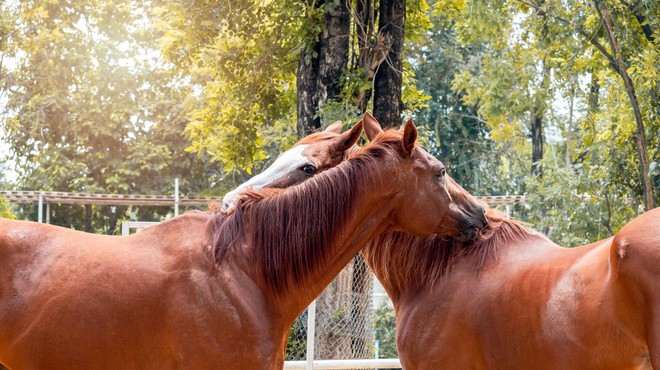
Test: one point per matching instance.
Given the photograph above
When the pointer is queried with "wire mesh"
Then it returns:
(344, 318)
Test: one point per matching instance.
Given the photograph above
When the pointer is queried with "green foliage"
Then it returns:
(385, 326)
(296, 345)
(578, 204)
(495, 55)
(89, 103)
(239, 56)
(84, 114)
(5, 210)
(242, 57)
(451, 129)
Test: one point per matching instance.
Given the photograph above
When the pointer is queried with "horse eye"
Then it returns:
(308, 169)
(442, 172)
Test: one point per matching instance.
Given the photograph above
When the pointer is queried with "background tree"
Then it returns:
(642, 19)
(385, 325)
(453, 130)
(5, 210)
(83, 114)
(240, 58)
(594, 136)
(322, 61)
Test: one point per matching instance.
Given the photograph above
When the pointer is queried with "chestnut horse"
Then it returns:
(211, 291)
(515, 300)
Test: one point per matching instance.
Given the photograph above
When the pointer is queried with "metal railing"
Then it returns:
(389, 363)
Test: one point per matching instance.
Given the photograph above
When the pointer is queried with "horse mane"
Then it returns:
(322, 136)
(287, 231)
(397, 258)
(316, 137)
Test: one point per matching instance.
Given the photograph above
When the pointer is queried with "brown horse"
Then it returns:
(515, 300)
(206, 291)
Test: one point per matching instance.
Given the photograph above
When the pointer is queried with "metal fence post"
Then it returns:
(40, 208)
(311, 334)
(176, 197)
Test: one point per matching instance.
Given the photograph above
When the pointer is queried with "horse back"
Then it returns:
(86, 296)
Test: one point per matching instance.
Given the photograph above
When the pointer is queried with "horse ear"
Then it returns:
(334, 127)
(346, 140)
(371, 126)
(409, 136)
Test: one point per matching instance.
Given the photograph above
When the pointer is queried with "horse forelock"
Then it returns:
(401, 259)
(287, 248)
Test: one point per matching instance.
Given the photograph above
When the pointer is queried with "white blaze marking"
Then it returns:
(286, 163)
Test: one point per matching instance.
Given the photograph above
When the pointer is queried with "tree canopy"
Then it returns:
(89, 104)
(553, 99)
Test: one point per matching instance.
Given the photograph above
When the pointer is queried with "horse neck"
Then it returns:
(408, 265)
(298, 256)
(404, 263)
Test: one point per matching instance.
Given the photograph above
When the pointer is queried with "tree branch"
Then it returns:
(579, 29)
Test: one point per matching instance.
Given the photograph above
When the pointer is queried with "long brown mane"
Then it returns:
(398, 258)
(288, 230)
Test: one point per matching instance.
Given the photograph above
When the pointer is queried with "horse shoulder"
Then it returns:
(217, 311)
(221, 314)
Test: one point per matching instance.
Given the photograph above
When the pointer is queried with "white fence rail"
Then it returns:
(389, 363)
(126, 226)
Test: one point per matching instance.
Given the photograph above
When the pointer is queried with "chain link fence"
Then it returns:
(345, 318)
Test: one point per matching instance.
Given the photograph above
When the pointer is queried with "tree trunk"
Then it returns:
(640, 135)
(536, 122)
(537, 142)
(594, 94)
(306, 83)
(112, 222)
(388, 78)
(88, 218)
(365, 31)
(318, 78)
(569, 129)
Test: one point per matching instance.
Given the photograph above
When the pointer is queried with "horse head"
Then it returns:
(429, 189)
(313, 154)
